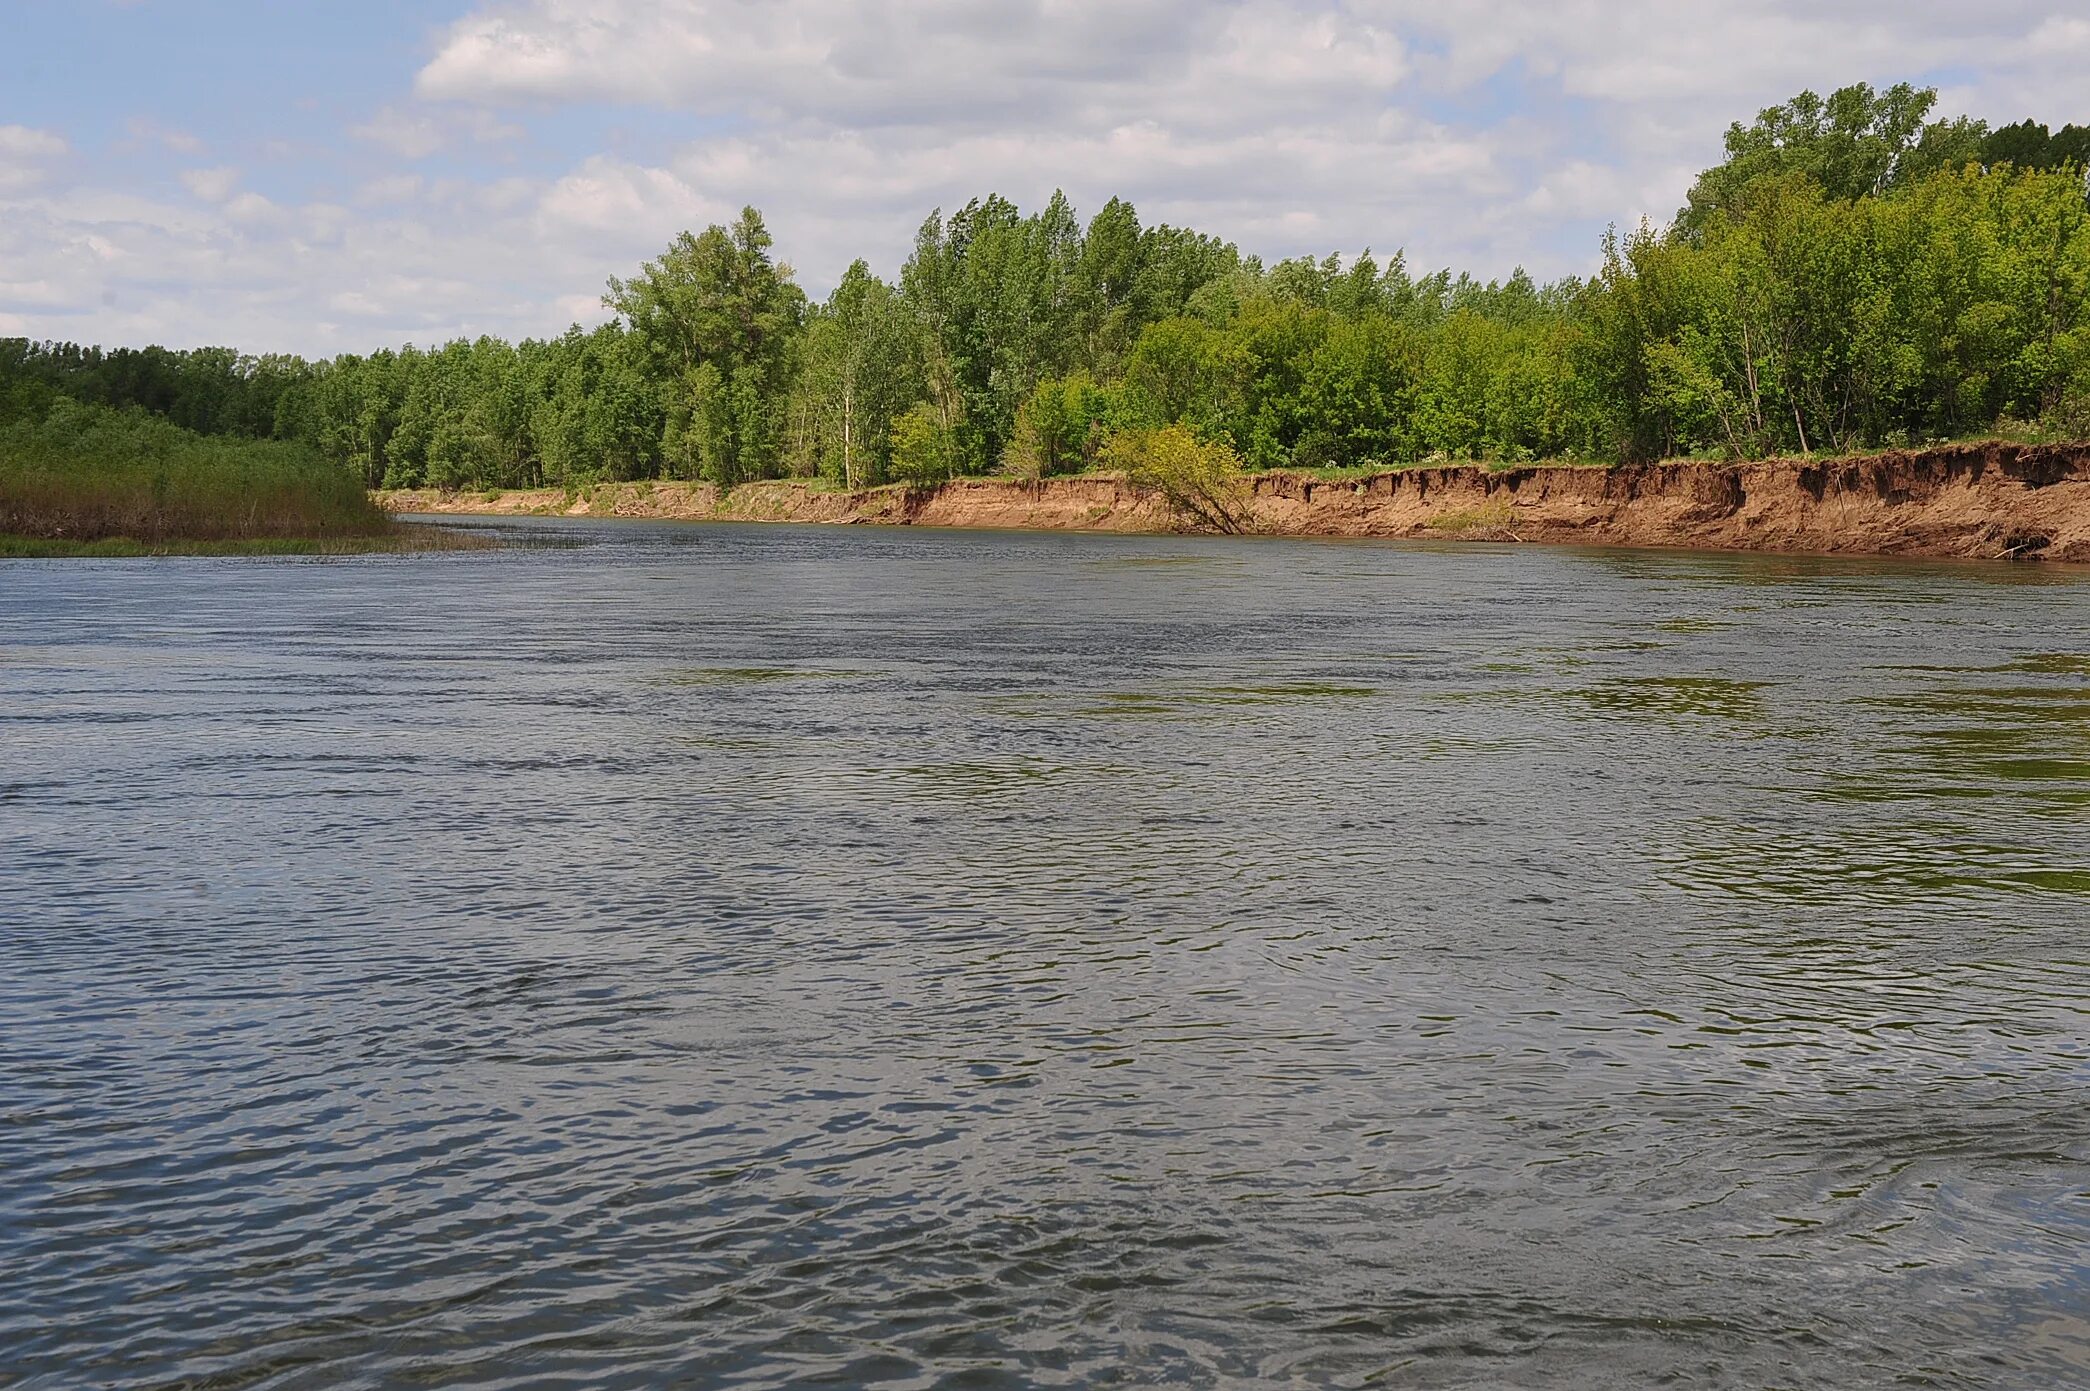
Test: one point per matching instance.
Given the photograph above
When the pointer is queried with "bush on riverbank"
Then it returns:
(1201, 479)
(79, 473)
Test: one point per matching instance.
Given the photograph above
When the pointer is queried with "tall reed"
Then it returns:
(84, 473)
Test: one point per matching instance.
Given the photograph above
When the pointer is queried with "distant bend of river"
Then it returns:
(740, 957)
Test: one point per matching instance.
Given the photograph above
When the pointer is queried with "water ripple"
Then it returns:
(759, 957)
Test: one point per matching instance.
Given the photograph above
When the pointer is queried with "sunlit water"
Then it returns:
(746, 957)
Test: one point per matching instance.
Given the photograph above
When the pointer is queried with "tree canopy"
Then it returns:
(1853, 144)
(1857, 271)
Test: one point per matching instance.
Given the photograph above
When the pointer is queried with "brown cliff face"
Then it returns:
(1991, 501)
(1987, 501)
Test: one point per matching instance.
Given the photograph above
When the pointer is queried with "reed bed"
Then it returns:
(84, 474)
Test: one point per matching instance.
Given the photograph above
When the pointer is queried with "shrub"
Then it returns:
(1060, 429)
(1201, 479)
(925, 450)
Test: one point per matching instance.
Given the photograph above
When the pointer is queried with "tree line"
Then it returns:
(1854, 274)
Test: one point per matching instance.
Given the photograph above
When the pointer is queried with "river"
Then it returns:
(715, 956)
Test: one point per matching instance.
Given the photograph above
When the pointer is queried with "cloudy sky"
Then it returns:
(344, 174)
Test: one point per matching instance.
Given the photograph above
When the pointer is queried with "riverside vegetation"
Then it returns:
(77, 478)
(1854, 275)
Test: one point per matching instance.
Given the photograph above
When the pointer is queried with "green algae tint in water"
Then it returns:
(762, 957)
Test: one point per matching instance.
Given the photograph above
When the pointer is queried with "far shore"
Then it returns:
(1990, 501)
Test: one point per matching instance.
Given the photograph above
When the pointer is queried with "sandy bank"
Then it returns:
(1991, 501)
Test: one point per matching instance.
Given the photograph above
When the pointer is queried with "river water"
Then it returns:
(752, 956)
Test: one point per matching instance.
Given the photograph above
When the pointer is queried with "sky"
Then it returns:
(340, 175)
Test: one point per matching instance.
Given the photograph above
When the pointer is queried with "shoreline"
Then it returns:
(404, 538)
(1989, 501)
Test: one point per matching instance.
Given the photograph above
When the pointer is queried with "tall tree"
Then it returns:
(1855, 143)
(859, 370)
(715, 314)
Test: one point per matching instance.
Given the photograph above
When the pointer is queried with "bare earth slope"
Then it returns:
(1991, 501)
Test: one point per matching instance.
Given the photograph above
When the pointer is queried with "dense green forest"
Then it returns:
(1853, 274)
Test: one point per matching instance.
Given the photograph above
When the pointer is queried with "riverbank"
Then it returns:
(399, 539)
(1987, 501)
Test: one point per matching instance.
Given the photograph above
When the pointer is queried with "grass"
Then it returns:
(2006, 432)
(79, 477)
(1341, 473)
(1489, 516)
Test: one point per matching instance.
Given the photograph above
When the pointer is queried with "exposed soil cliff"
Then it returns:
(1992, 501)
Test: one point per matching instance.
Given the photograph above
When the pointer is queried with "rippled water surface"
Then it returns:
(747, 957)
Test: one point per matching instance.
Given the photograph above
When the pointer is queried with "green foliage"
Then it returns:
(208, 390)
(1799, 321)
(995, 292)
(1200, 479)
(859, 369)
(1006, 301)
(594, 415)
(2029, 145)
(1854, 144)
(715, 316)
(81, 472)
(925, 450)
(1060, 428)
(1855, 272)
(1335, 368)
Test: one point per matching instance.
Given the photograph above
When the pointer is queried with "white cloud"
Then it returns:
(253, 208)
(1478, 134)
(409, 137)
(963, 61)
(25, 156)
(418, 135)
(604, 198)
(1690, 68)
(179, 141)
(211, 185)
(393, 188)
(1255, 118)
(26, 143)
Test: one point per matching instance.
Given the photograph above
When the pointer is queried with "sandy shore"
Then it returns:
(1988, 501)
